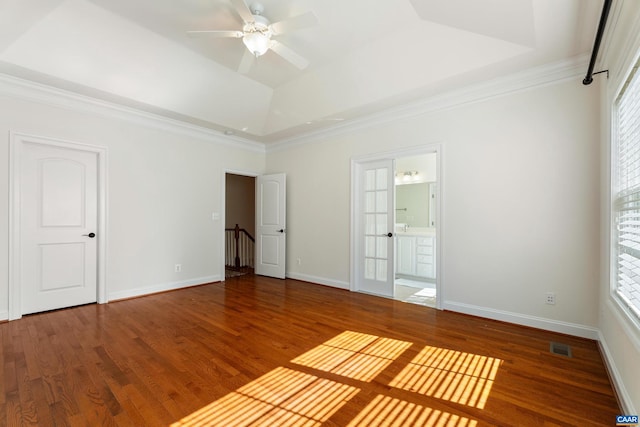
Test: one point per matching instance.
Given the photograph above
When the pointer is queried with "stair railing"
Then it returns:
(239, 248)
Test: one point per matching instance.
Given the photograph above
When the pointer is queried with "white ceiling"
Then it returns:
(365, 56)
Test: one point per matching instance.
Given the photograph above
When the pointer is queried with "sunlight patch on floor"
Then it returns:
(288, 397)
(283, 397)
(354, 355)
(389, 412)
(450, 375)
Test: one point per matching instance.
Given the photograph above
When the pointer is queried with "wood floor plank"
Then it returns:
(285, 351)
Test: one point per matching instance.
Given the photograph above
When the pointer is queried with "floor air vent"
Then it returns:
(560, 349)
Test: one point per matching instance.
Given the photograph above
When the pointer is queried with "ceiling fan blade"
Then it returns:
(216, 34)
(289, 55)
(243, 10)
(246, 62)
(295, 22)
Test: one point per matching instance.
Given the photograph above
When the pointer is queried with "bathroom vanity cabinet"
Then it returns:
(415, 254)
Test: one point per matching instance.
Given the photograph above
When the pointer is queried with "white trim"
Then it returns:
(523, 319)
(395, 154)
(534, 77)
(4, 315)
(318, 280)
(353, 206)
(625, 321)
(16, 142)
(516, 82)
(49, 95)
(624, 399)
(628, 320)
(162, 287)
(627, 56)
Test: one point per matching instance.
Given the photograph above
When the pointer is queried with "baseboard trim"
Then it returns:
(319, 280)
(624, 400)
(524, 320)
(164, 287)
(4, 315)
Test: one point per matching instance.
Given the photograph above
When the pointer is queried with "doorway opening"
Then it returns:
(240, 223)
(415, 229)
(396, 246)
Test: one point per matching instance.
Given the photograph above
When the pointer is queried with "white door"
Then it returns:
(375, 222)
(271, 192)
(58, 222)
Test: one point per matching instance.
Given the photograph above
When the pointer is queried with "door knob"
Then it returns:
(90, 235)
(388, 234)
(281, 230)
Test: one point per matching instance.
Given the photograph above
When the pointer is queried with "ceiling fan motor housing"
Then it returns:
(256, 8)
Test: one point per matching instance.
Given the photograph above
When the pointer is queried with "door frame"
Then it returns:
(223, 211)
(17, 140)
(356, 161)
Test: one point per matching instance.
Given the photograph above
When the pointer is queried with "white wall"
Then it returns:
(619, 338)
(521, 217)
(163, 187)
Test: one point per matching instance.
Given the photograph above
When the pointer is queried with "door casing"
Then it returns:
(16, 144)
(355, 209)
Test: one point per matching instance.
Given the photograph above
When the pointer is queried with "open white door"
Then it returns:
(375, 227)
(270, 225)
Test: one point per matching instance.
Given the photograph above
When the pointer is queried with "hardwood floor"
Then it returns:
(259, 351)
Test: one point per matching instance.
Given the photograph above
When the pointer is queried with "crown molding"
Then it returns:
(535, 77)
(44, 94)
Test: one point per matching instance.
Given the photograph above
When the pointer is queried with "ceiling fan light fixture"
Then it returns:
(256, 42)
(257, 33)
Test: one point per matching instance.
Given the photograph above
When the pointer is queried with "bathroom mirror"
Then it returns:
(415, 204)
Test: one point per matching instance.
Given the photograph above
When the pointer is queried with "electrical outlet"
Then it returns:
(550, 298)
(178, 268)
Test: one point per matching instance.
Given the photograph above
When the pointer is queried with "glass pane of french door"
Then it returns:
(376, 222)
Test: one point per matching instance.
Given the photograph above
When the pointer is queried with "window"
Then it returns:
(626, 193)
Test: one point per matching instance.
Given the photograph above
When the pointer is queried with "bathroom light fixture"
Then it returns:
(407, 176)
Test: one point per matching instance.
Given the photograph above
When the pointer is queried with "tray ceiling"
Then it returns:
(364, 56)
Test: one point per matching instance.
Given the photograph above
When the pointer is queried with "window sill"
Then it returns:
(626, 319)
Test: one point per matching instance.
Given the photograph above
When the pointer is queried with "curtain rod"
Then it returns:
(596, 45)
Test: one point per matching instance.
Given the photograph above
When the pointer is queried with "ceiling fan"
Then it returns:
(257, 33)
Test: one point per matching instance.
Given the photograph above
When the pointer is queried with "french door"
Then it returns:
(375, 217)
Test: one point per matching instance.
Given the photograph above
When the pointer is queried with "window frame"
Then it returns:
(625, 307)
